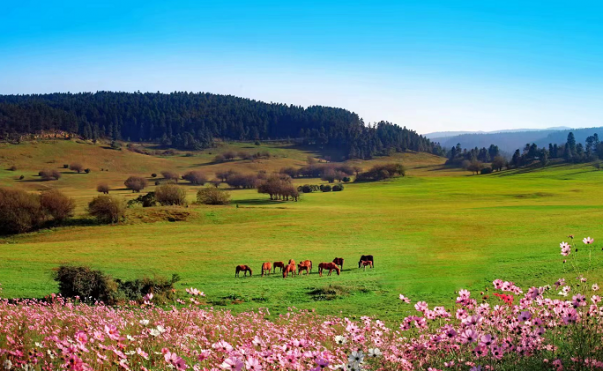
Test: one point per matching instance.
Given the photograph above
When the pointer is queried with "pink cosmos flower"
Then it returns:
(421, 306)
(595, 287)
(232, 364)
(566, 248)
(588, 240)
(404, 298)
(81, 337)
(252, 364)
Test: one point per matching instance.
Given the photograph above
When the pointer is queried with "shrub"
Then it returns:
(88, 284)
(12, 168)
(103, 188)
(237, 180)
(381, 172)
(20, 211)
(87, 171)
(279, 187)
(229, 155)
(170, 194)
(475, 166)
(136, 183)
(107, 209)
(65, 166)
(219, 159)
(77, 167)
(346, 179)
(154, 175)
(50, 174)
(486, 170)
(148, 200)
(291, 171)
(157, 182)
(213, 196)
(195, 177)
(244, 155)
(215, 182)
(306, 189)
(57, 205)
(22, 177)
(338, 188)
(170, 175)
(325, 188)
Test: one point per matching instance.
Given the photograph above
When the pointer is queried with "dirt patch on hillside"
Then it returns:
(153, 215)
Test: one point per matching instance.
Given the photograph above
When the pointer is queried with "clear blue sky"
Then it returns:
(429, 65)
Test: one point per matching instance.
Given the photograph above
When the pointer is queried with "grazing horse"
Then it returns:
(329, 266)
(266, 267)
(305, 265)
(338, 261)
(365, 258)
(367, 262)
(289, 269)
(291, 261)
(244, 268)
(280, 265)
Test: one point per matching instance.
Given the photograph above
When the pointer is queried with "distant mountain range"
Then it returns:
(510, 140)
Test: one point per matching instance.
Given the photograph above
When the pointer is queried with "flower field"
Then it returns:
(554, 327)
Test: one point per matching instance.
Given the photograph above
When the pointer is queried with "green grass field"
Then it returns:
(432, 232)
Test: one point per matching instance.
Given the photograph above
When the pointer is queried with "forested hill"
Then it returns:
(193, 120)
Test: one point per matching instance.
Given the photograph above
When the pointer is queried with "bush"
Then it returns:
(22, 177)
(57, 205)
(65, 166)
(195, 177)
(12, 168)
(279, 187)
(338, 188)
(170, 175)
(219, 159)
(237, 180)
(213, 196)
(215, 182)
(381, 172)
(77, 167)
(87, 171)
(229, 155)
(107, 209)
(170, 194)
(20, 211)
(136, 183)
(89, 285)
(325, 188)
(50, 174)
(486, 170)
(103, 188)
(306, 189)
(346, 179)
(148, 200)
(154, 175)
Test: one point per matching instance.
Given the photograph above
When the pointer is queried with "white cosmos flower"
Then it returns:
(144, 322)
(340, 339)
(356, 357)
(374, 352)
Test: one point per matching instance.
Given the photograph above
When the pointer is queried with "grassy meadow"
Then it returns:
(432, 232)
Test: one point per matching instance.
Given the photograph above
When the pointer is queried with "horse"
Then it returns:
(280, 265)
(291, 261)
(338, 261)
(367, 262)
(289, 269)
(305, 265)
(329, 266)
(244, 268)
(364, 258)
(266, 267)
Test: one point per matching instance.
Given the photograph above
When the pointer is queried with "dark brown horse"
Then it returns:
(365, 263)
(244, 268)
(306, 265)
(280, 265)
(266, 267)
(366, 258)
(289, 269)
(339, 262)
(330, 266)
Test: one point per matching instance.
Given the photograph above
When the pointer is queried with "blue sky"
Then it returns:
(428, 65)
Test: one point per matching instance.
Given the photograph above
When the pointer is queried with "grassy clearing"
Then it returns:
(431, 233)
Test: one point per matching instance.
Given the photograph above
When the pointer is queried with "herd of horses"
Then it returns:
(306, 265)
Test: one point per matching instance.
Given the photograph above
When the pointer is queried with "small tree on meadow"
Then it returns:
(498, 162)
(170, 194)
(136, 183)
(57, 205)
(103, 188)
(475, 166)
(229, 155)
(195, 177)
(77, 167)
(215, 182)
(20, 211)
(213, 196)
(107, 209)
(170, 175)
(50, 174)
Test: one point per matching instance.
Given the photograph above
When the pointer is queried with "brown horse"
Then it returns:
(266, 267)
(365, 263)
(338, 261)
(280, 265)
(289, 269)
(306, 265)
(291, 261)
(365, 258)
(244, 268)
(330, 266)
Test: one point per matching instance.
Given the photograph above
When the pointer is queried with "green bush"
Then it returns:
(87, 284)
(486, 170)
(148, 200)
(325, 188)
(338, 188)
(307, 189)
(20, 211)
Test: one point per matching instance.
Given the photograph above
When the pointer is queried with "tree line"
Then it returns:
(193, 120)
